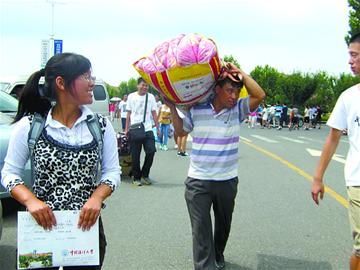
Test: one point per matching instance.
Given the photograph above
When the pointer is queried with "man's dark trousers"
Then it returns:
(200, 195)
(135, 149)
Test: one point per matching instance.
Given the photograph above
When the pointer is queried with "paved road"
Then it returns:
(275, 224)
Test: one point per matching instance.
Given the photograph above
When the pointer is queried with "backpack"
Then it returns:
(37, 127)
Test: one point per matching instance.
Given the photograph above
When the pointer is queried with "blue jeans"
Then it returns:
(164, 133)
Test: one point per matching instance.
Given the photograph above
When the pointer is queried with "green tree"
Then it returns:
(267, 77)
(324, 93)
(112, 90)
(354, 19)
(132, 85)
(342, 83)
(231, 59)
(123, 88)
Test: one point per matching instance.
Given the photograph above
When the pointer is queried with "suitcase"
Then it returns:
(124, 153)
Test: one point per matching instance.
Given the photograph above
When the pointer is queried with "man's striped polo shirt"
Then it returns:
(215, 142)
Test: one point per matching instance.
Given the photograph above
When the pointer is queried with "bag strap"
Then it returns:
(146, 101)
(35, 131)
(93, 124)
(37, 127)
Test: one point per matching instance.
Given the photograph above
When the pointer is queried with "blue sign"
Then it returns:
(58, 46)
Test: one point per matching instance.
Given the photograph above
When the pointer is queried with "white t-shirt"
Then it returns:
(122, 108)
(346, 115)
(136, 105)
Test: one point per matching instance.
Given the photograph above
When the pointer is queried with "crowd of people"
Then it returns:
(280, 116)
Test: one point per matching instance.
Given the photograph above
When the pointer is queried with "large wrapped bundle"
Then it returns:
(184, 69)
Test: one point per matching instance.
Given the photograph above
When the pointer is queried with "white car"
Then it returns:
(8, 108)
(100, 94)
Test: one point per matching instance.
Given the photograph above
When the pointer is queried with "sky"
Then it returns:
(289, 35)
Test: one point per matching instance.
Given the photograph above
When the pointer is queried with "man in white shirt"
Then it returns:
(345, 115)
(123, 112)
(135, 114)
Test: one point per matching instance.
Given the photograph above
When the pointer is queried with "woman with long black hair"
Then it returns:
(66, 157)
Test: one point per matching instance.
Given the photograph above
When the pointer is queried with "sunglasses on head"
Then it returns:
(225, 73)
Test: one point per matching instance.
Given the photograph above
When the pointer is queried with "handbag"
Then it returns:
(137, 131)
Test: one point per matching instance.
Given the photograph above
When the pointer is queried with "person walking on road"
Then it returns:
(318, 116)
(345, 115)
(164, 121)
(66, 156)
(112, 110)
(307, 118)
(212, 177)
(123, 112)
(135, 114)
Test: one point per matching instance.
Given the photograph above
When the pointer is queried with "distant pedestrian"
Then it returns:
(164, 121)
(252, 119)
(306, 118)
(312, 116)
(278, 112)
(123, 112)
(112, 111)
(284, 116)
(318, 116)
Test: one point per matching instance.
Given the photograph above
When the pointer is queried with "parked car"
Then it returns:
(8, 108)
(100, 94)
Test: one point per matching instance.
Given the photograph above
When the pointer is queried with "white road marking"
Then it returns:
(306, 138)
(291, 140)
(317, 153)
(264, 139)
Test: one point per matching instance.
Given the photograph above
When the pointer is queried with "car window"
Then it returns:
(99, 92)
(4, 85)
(7, 103)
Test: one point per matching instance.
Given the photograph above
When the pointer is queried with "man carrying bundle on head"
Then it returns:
(212, 178)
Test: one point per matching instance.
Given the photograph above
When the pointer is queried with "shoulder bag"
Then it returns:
(137, 131)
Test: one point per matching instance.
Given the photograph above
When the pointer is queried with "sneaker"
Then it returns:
(161, 147)
(146, 181)
(165, 148)
(137, 182)
(178, 154)
(183, 154)
(176, 146)
(220, 263)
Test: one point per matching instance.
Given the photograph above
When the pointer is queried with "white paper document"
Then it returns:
(64, 245)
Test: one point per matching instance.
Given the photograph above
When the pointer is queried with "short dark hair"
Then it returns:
(355, 38)
(221, 83)
(140, 80)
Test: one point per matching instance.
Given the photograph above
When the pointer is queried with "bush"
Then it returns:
(325, 117)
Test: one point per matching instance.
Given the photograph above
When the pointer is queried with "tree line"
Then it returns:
(298, 89)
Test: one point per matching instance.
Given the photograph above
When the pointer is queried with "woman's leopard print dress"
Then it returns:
(65, 175)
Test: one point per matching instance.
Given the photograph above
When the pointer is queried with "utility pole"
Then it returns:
(52, 2)
(50, 46)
